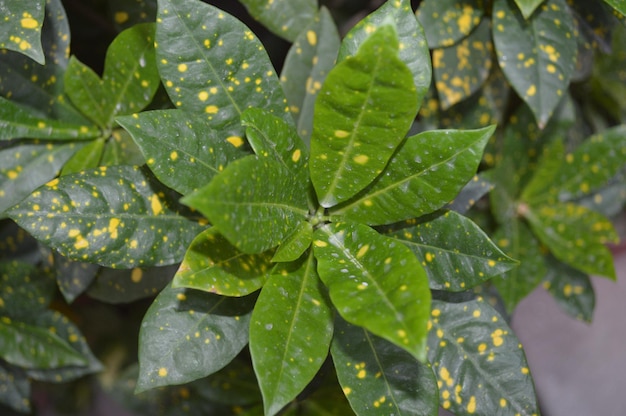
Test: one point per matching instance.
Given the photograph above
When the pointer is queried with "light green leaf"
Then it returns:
(571, 289)
(117, 217)
(426, 173)
(295, 244)
(375, 283)
(214, 265)
(212, 64)
(575, 235)
(446, 22)
(188, 334)
(541, 186)
(120, 149)
(455, 252)
(87, 92)
(527, 7)
(369, 96)
(20, 28)
(618, 5)
(88, 157)
(285, 18)
(379, 378)
(479, 363)
(255, 203)
(290, 332)
(538, 55)
(182, 149)
(306, 65)
(460, 70)
(414, 51)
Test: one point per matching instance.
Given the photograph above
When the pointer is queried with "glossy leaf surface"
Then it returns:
(214, 265)
(426, 173)
(455, 252)
(527, 7)
(212, 64)
(286, 18)
(448, 21)
(289, 344)
(378, 378)
(20, 28)
(117, 216)
(479, 362)
(375, 92)
(255, 203)
(374, 282)
(188, 334)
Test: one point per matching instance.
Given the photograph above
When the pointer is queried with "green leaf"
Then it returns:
(618, 5)
(295, 244)
(575, 235)
(255, 203)
(426, 173)
(414, 51)
(124, 286)
(290, 332)
(212, 64)
(306, 65)
(87, 92)
(470, 194)
(182, 149)
(126, 14)
(117, 217)
(538, 55)
(234, 384)
(88, 157)
(20, 28)
(571, 289)
(448, 21)
(285, 18)
(460, 70)
(120, 149)
(455, 252)
(24, 290)
(24, 168)
(541, 185)
(369, 96)
(14, 388)
(375, 283)
(214, 265)
(478, 361)
(378, 378)
(188, 334)
(73, 277)
(516, 240)
(527, 7)
(17, 121)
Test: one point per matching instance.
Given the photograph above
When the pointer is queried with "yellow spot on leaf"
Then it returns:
(531, 90)
(341, 134)
(81, 243)
(361, 374)
(211, 109)
(295, 156)
(471, 406)
(203, 95)
(182, 67)
(162, 372)
(362, 251)
(113, 223)
(311, 37)
(136, 275)
(120, 17)
(235, 141)
(174, 155)
(320, 243)
(155, 204)
(29, 23)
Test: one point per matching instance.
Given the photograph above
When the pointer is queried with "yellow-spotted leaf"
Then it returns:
(189, 334)
(306, 65)
(212, 64)
(20, 27)
(413, 48)
(379, 378)
(126, 13)
(87, 92)
(527, 7)
(24, 168)
(73, 277)
(118, 217)
(285, 18)
(375, 282)
(426, 173)
(289, 344)
(214, 265)
(365, 99)
(24, 290)
(536, 55)
(182, 149)
(575, 235)
(618, 5)
(255, 203)
(446, 22)
(455, 252)
(460, 70)
(479, 362)
(571, 289)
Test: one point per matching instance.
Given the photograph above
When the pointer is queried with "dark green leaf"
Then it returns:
(295, 244)
(128, 13)
(188, 334)
(182, 149)
(460, 70)
(128, 285)
(618, 5)
(448, 21)
(478, 361)
(14, 388)
(214, 265)
(455, 252)
(571, 289)
(379, 378)
(308, 61)
(414, 48)
(375, 282)
(538, 55)
(426, 173)
(212, 64)
(255, 203)
(73, 277)
(527, 7)
(327, 400)
(290, 332)
(575, 235)
(366, 97)
(20, 28)
(116, 216)
(470, 194)
(285, 18)
(24, 290)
